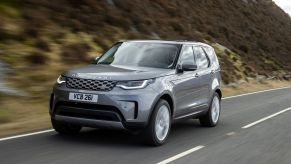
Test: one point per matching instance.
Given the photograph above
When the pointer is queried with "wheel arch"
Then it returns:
(218, 91)
(169, 99)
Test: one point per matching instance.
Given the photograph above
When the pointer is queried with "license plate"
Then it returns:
(83, 97)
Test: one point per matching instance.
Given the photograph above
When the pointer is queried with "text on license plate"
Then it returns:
(83, 97)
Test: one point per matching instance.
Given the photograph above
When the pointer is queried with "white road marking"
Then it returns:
(50, 130)
(266, 118)
(251, 93)
(171, 159)
(24, 135)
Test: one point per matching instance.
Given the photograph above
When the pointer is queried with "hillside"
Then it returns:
(257, 33)
(252, 37)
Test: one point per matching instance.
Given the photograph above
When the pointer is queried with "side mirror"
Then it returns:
(187, 66)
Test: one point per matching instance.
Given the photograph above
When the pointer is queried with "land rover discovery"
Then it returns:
(141, 85)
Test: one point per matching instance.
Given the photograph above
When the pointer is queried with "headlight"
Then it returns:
(134, 84)
(61, 79)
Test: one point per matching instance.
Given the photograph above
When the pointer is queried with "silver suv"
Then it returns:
(143, 86)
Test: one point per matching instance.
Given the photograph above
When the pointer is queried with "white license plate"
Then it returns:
(83, 97)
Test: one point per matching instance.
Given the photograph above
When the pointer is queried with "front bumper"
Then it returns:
(118, 108)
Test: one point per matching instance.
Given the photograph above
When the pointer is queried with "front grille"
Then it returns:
(89, 84)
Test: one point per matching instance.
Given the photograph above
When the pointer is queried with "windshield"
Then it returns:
(141, 54)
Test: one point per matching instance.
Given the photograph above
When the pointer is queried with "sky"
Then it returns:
(285, 5)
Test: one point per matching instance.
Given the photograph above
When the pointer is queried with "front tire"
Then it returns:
(65, 128)
(159, 126)
(211, 118)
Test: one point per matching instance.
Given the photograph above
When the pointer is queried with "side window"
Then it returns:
(201, 59)
(212, 56)
(187, 55)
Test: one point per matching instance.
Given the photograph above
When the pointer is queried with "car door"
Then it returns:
(186, 85)
(205, 75)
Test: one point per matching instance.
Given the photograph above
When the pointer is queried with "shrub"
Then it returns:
(32, 31)
(75, 53)
(213, 34)
(3, 35)
(244, 48)
(37, 58)
(42, 44)
(177, 26)
(116, 19)
(102, 42)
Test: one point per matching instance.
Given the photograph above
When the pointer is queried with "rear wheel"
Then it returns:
(65, 128)
(159, 126)
(211, 118)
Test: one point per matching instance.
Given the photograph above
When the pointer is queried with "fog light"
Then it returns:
(126, 105)
(129, 108)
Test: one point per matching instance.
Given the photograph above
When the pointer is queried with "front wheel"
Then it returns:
(159, 126)
(211, 118)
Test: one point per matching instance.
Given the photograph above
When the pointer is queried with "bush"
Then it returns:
(37, 58)
(42, 44)
(102, 42)
(244, 48)
(213, 34)
(75, 53)
(177, 26)
(32, 31)
(116, 19)
(3, 35)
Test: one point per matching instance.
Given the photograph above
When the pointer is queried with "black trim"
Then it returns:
(87, 113)
(134, 125)
(90, 111)
(135, 110)
(177, 57)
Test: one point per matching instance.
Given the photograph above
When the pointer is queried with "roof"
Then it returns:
(168, 42)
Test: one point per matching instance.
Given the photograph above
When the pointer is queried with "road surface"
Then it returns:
(254, 128)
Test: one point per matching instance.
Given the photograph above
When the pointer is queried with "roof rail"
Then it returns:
(181, 40)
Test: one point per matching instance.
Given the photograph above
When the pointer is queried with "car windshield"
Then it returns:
(141, 54)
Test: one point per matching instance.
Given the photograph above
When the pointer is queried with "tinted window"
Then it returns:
(212, 56)
(143, 54)
(201, 58)
(187, 55)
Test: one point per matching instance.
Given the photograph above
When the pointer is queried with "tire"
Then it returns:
(65, 128)
(211, 118)
(160, 118)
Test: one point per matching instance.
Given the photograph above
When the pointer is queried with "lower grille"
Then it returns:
(90, 84)
(88, 114)
(88, 111)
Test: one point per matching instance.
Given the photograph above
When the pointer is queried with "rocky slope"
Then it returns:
(252, 37)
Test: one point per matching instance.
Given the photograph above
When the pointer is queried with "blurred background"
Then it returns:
(39, 39)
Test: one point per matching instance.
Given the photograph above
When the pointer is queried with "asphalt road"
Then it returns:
(264, 142)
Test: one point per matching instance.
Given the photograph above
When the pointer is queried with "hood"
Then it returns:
(117, 73)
